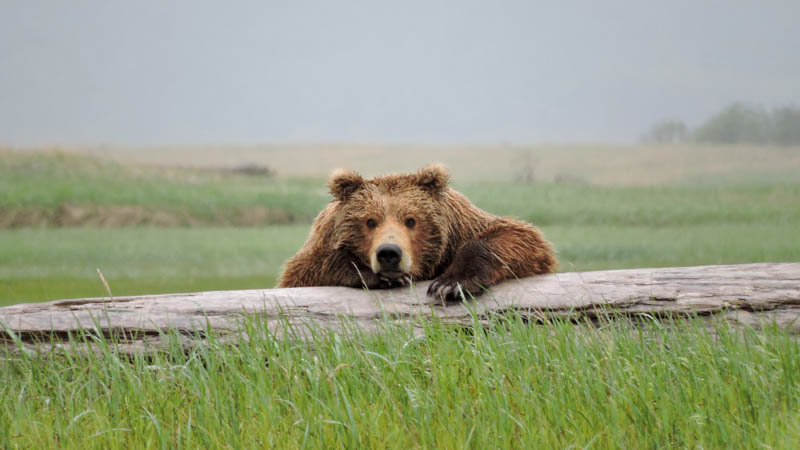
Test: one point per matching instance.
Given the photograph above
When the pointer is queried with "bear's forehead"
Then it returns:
(394, 198)
(385, 199)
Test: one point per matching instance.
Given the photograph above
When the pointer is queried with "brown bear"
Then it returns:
(387, 231)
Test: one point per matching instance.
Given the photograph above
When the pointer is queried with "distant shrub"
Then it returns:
(737, 123)
(668, 131)
(744, 124)
(786, 126)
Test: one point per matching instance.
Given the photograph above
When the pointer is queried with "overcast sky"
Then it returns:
(210, 72)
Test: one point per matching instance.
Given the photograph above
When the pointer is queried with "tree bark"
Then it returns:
(748, 294)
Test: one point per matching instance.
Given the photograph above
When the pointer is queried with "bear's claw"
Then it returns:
(453, 289)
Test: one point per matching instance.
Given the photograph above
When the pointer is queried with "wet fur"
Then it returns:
(463, 248)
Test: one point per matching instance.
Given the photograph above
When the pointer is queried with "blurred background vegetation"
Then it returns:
(738, 123)
(159, 220)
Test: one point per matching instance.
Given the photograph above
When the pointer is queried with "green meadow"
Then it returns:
(46, 264)
(159, 230)
(156, 228)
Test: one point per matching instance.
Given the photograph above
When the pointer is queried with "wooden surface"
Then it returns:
(747, 294)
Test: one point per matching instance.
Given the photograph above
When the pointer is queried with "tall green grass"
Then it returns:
(510, 386)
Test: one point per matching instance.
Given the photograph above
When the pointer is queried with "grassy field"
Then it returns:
(512, 386)
(67, 190)
(161, 229)
(166, 230)
(45, 264)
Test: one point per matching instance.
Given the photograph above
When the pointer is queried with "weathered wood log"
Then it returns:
(747, 294)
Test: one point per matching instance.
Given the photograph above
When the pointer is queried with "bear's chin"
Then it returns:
(392, 275)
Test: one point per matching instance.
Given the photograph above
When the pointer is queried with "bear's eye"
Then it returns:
(372, 223)
(410, 222)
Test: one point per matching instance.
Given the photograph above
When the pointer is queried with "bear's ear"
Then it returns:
(433, 178)
(343, 183)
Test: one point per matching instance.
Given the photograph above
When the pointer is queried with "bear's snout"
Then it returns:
(389, 256)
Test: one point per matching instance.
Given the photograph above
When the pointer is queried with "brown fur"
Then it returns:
(460, 246)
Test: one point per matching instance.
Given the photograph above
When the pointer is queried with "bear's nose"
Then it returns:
(389, 255)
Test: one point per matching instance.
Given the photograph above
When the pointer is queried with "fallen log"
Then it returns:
(748, 294)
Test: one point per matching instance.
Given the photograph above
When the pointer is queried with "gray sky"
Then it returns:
(209, 72)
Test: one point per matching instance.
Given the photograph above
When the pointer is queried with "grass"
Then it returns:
(59, 189)
(45, 264)
(56, 189)
(511, 386)
(653, 206)
(40, 264)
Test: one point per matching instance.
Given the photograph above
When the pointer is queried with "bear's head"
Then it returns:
(395, 224)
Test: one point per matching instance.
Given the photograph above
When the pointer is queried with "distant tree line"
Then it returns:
(737, 123)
